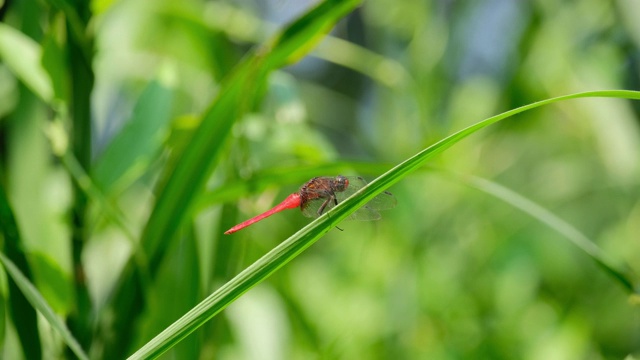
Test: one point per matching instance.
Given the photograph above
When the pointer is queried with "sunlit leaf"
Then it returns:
(307, 236)
(23, 56)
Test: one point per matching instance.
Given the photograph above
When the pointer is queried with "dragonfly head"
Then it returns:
(341, 183)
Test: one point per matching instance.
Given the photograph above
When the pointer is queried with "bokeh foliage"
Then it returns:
(134, 133)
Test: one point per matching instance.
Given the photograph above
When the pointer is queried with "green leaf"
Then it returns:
(138, 141)
(166, 306)
(623, 275)
(53, 283)
(53, 61)
(24, 316)
(38, 302)
(3, 307)
(186, 180)
(304, 34)
(183, 180)
(23, 56)
(290, 248)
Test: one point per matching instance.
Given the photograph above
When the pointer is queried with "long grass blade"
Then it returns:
(38, 302)
(24, 316)
(184, 179)
(22, 55)
(623, 276)
(304, 238)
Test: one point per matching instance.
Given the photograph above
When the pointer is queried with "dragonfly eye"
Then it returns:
(341, 183)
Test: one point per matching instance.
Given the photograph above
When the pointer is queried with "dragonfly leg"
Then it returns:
(326, 202)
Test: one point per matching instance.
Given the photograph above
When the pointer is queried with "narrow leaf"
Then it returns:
(623, 276)
(38, 302)
(23, 56)
(24, 317)
(139, 139)
(290, 248)
(183, 181)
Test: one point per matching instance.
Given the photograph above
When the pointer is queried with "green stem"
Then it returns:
(82, 81)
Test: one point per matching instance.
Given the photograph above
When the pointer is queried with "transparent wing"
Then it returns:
(312, 207)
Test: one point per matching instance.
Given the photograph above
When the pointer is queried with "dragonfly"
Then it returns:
(320, 194)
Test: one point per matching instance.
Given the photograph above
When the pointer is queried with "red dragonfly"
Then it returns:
(323, 193)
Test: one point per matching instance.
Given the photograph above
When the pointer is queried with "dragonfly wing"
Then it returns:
(310, 208)
(384, 201)
(365, 214)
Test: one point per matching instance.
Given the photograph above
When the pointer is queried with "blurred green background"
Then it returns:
(98, 99)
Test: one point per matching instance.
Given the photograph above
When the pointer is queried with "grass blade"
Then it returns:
(24, 316)
(623, 276)
(183, 180)
(186, 180)
(38, 302)
(22, 55)
(120, 163)
(304, 238)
